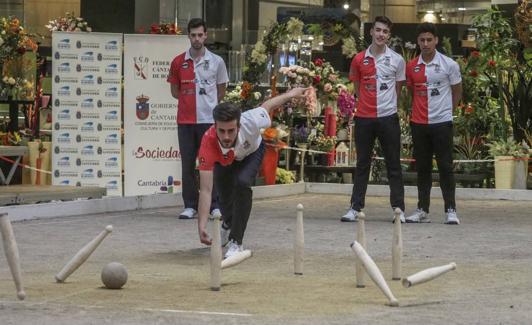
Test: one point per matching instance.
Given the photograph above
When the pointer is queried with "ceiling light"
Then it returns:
(462, 9)
(430, 11)
(346, 6)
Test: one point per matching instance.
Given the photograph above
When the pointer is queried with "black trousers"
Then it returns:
(387, 131)
(233, 184)
(429, 140)
(189, 138)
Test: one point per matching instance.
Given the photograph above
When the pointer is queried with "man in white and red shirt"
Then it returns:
(198, 79)
(436, 85)
(378, 74)
(230, 156)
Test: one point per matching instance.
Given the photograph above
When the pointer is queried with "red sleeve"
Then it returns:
(173, 75)
(354, 73)
(409, 67)
(207, 152)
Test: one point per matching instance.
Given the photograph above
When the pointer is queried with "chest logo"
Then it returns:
(365, 62)
(185, 65)
(417, 69)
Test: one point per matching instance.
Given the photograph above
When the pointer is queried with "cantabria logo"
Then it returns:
(112, 138)
(63, 67)
(112, 68)
(87, 103)
(64, 114)
(64, 91)
(111, 92)
(64, 43)
(87, 127)
(88, 80)
(111, 45)
(87, 56)
(111, 116)
(64, 138)
(88, 150)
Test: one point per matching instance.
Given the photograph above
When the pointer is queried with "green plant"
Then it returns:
(506, 147)
(283, 176)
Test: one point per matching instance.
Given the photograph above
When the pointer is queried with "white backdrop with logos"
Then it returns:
(86, 92)
(152, 162)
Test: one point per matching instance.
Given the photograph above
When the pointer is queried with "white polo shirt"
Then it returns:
(431, 85)
(247, 142)
(377, 78)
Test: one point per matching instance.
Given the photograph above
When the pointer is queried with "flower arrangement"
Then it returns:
(283, 176)
(14, 40)
(15, 87)
(69, 23)
(406, 49)
(326, 80)
(346, 104)
(10, 139)
(298, 76)
(300, 134)
(324, 143)
(349, 47)
(165, 29)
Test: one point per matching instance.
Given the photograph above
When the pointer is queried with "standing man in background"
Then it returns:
(198, 79)
(378, 74)
(436, 85)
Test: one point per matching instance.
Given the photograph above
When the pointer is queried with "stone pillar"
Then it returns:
(399, 11)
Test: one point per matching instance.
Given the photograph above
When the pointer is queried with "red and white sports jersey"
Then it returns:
(376, 79)
(198, 81)
(247, 141)
(431, 86)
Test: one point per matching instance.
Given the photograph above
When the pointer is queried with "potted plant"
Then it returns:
(509, 163)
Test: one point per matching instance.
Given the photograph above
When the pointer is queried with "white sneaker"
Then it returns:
(215, 213)
(452, 218)
(188, 213)
(232, 249)
(350, 216)
(418, 217)
(224, 234)
(401, 216)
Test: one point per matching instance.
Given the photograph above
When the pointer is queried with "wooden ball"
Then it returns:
(114, 275)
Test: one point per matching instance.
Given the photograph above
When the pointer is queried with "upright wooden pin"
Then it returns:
(361, 238)
(216, 255)
(397, 246)
(82, 255)
(299, 242)
(11, 251)
(374, 273)
(427, 274)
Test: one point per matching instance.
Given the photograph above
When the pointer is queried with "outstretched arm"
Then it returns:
(206, 181)
(277, 101)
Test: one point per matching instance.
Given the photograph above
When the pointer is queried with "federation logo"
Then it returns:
(143, 107)
(140, 65)
(365, 62)
(417, 69)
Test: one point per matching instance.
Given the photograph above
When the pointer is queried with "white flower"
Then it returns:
(89, 29)
(77, 29)
(349, 47)
(80, 25)
(257, 95)
(5, 79)
(410, 46)
(1, 41)
(11, 81)
(299, 79)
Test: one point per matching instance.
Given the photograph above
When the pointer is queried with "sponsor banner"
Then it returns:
(152, 162)
(86, 92)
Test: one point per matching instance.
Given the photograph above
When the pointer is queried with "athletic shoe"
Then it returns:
(188, 213)
(401, 216)
(350, 216)
(215, 213)
(232, 249)
(224, 234)
(418, 217)
(452, 218)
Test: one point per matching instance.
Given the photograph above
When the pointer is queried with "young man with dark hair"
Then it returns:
(436, 85)
(230, 155)
(378, 74)
(198, 79)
